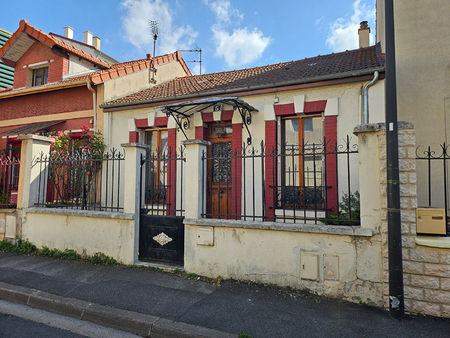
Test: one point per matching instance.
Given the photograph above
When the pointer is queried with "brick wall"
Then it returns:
(39, 52)
(53, 102)
(426, 269)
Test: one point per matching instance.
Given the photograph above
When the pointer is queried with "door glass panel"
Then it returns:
(221, 162)
(221, 130)
(156, 181)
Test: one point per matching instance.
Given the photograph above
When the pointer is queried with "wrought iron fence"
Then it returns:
(81, 180)
(162, 175)
(290, 183)
(436, 167)
(9, 179)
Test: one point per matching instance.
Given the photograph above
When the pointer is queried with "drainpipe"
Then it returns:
(396, 295)
(365, 98)
(94, 100)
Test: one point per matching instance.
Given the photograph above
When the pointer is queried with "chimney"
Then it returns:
(68, 32)
(364, 34)
(97, 42)
(87, 38)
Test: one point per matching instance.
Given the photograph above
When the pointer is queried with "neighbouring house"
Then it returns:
(60, 82)
(423, 89)
(58, 85)
(6, 72)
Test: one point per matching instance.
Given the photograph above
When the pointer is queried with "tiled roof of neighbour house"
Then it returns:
(49, 40)
(96, 77)
(323, 67)
(86, 48)
(124, 68)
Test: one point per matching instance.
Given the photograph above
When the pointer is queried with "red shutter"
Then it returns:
(331, 139)
(236, 170)
(200, 133)
(133, 137)
(171, 171)
(271, 169)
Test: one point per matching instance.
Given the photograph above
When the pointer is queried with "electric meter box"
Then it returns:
(431, 221)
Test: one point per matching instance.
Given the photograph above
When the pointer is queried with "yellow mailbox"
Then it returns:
(431, 221)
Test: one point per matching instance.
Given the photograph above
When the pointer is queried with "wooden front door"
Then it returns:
(219, 193)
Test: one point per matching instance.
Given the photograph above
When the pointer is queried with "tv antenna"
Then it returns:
(155, 32)
(199, 60)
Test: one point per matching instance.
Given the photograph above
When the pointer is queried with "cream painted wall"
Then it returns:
(274, 257)
(111, 236)
(126, 85)
(134, 82)
(78, 65)
(423, 77)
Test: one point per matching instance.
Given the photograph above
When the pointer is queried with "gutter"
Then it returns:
(365, 98)
(262, 86)
(94, 101)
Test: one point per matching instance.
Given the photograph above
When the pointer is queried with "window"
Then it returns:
(301, 176)
(40, 76)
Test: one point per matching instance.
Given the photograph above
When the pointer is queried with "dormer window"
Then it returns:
(40, 76)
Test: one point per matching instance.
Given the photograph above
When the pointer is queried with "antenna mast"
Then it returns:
(155, 32)
(199, 51)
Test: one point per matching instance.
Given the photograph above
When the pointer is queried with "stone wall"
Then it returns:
(426, 269)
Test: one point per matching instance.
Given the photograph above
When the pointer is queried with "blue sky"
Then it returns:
(232, 33)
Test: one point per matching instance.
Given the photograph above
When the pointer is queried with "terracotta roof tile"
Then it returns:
(331, 66)
(50, 41)
(124, 68)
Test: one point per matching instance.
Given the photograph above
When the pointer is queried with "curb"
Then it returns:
(129, 321)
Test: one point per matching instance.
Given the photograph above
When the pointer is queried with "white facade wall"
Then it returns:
(78, 65)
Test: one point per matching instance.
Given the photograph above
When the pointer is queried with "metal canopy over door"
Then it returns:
(219, 180)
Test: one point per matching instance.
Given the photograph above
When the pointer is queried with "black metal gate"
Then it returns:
(161, 239)
(161, 233)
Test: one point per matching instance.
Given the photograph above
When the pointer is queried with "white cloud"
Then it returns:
(344, 31)
(223, 11)
(237, 46)
(240, 47)
(136, 26)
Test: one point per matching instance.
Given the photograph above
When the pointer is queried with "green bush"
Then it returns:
(6, 246)
(27, 248)
(347, 215)
(101, 259)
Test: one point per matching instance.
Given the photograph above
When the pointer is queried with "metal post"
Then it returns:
(396, 299)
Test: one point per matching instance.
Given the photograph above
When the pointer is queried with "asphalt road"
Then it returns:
(22, 321)
(11, 326)
(260, 311)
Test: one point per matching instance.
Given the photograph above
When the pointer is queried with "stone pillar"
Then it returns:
(31, 176)
(33, 146)
(133, 187)
(195, 185)
(373, 191)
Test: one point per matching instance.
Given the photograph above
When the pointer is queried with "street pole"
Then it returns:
(396, 299)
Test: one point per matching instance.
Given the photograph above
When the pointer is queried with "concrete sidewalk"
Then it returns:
(163, 304)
